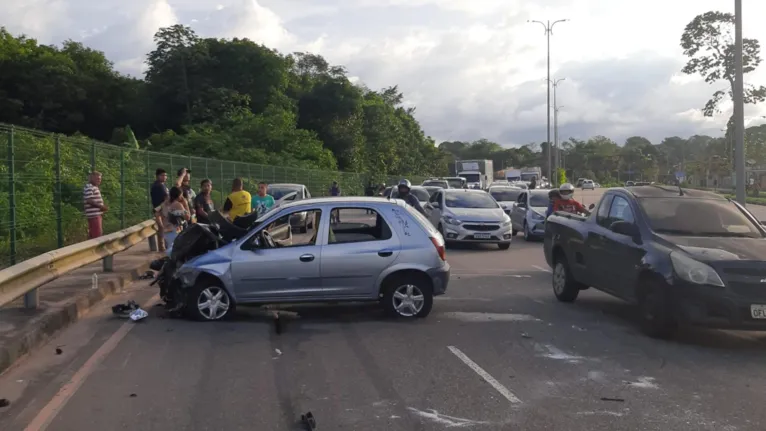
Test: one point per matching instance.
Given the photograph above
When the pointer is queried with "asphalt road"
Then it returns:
(498, 352)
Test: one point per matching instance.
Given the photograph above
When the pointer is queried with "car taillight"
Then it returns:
(439, 244)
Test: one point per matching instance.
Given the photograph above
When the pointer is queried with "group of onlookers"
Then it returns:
(179, 205)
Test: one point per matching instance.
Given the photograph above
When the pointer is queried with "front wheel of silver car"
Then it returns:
(410, 298)
(208, 301)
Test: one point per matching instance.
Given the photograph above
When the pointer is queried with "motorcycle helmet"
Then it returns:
(406, 184)
(566, 191)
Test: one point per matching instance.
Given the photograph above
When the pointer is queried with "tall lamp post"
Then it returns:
(739, 104)
(556, 107)
(548, 32)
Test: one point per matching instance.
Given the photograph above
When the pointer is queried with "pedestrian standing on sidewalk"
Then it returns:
(93, 205)
(160, 193)
(203, 203)
(173, 214)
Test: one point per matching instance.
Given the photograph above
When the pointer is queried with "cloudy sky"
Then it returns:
(473, 68)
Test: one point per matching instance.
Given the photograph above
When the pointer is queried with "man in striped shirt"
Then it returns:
(93, 205)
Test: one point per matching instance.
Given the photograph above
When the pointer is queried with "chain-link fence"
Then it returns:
(42, 180)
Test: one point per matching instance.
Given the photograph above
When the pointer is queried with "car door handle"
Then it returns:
(385, 253)
(307, 258)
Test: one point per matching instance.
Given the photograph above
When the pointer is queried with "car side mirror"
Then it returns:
(591, 206)
(624, 228)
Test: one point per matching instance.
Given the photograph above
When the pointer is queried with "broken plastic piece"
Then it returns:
(59, 351)
(618, 400)
(309, 421)
(124, 310)
(138, 314)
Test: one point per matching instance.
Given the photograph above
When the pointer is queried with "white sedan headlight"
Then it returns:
(694, 271)
(506, 221)
(452, 220)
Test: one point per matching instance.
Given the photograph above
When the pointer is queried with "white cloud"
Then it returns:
(473, 68)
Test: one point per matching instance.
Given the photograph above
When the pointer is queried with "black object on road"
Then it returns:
(309, 421)
(124, 310)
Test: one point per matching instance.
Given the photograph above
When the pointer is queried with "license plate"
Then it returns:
(482, 236)
(758, 311)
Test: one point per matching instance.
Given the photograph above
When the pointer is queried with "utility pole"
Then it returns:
(739, 104)
(557, 163)
(548, 32)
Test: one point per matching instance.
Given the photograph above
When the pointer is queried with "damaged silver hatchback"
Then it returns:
(357, 250)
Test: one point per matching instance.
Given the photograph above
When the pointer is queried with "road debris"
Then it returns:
(617, 400)
(309, 421)
(124, 310)
(148, 275)
(59, 351)
(525, 335)
(133, 395)
(278, 352)
(4, 402)
(277, 323)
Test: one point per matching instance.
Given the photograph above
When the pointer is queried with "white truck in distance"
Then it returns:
(478, 174)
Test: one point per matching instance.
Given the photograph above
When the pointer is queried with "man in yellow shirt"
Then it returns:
(238, 202)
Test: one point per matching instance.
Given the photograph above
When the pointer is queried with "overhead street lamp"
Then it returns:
(548, 32)
(739, 105)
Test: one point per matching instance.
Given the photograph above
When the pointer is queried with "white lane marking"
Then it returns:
(644, 383)
(485, 375)
(488, 274)
(489, 317)
(540, 268)
(602, 413)
(447, 421)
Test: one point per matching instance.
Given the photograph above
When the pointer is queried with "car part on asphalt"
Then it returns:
(309, 421)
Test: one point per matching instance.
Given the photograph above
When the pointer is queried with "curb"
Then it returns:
(49, 323)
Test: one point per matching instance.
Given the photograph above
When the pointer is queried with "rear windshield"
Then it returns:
(505, 195)
(469, 200)
(698, 217)
(442, 184)
(421, 194)
(278, 192)
(456, 183)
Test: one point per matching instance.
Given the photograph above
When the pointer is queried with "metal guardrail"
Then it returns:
(25, 278)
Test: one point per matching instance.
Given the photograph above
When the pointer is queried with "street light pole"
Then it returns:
(548, 32)
(739, 104)
(557, 163)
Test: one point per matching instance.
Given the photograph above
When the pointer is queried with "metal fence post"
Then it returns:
(12, 196)
(57, 191)
(122, 189)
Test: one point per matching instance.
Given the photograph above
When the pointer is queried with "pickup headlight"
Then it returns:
(536, 216)
(694, 271)
(452, 220)
(506, 221)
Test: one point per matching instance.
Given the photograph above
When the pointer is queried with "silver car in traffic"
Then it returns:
(528, 214)
(465, 215)
(382, 250)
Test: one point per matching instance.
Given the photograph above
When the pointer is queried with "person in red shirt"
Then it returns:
(564, 201)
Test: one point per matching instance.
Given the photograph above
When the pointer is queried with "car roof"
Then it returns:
(349, 200)
(659, 191)
(464, 191)
(512, 188)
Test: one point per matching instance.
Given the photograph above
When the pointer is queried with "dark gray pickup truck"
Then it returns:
(683, 256)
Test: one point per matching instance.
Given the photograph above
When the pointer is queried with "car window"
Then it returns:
(281, 229)
(539, 199)
(435, 197)
(308, 195)
(442, 184)
(620, 211)
(421, 194)
(505, 195)
(469, 200)
(697, 217)
(456, 183)
(349, 225)
(602, 216)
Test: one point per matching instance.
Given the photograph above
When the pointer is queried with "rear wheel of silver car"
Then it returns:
(565, 287)
(408, 297)
(209, 301)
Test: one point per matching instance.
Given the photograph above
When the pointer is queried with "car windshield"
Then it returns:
(469, 200)
(472, 178)
(539, 199)
(278, 192)
(505, 195)
(528, 177)
(421, 194)
(698, 217)
(456, 183)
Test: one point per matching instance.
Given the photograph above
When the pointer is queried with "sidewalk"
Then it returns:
(64, 300)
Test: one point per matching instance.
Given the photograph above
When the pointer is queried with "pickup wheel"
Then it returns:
(656, 313)
(565, 287)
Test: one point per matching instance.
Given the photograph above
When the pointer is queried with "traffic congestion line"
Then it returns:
(485, 375)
